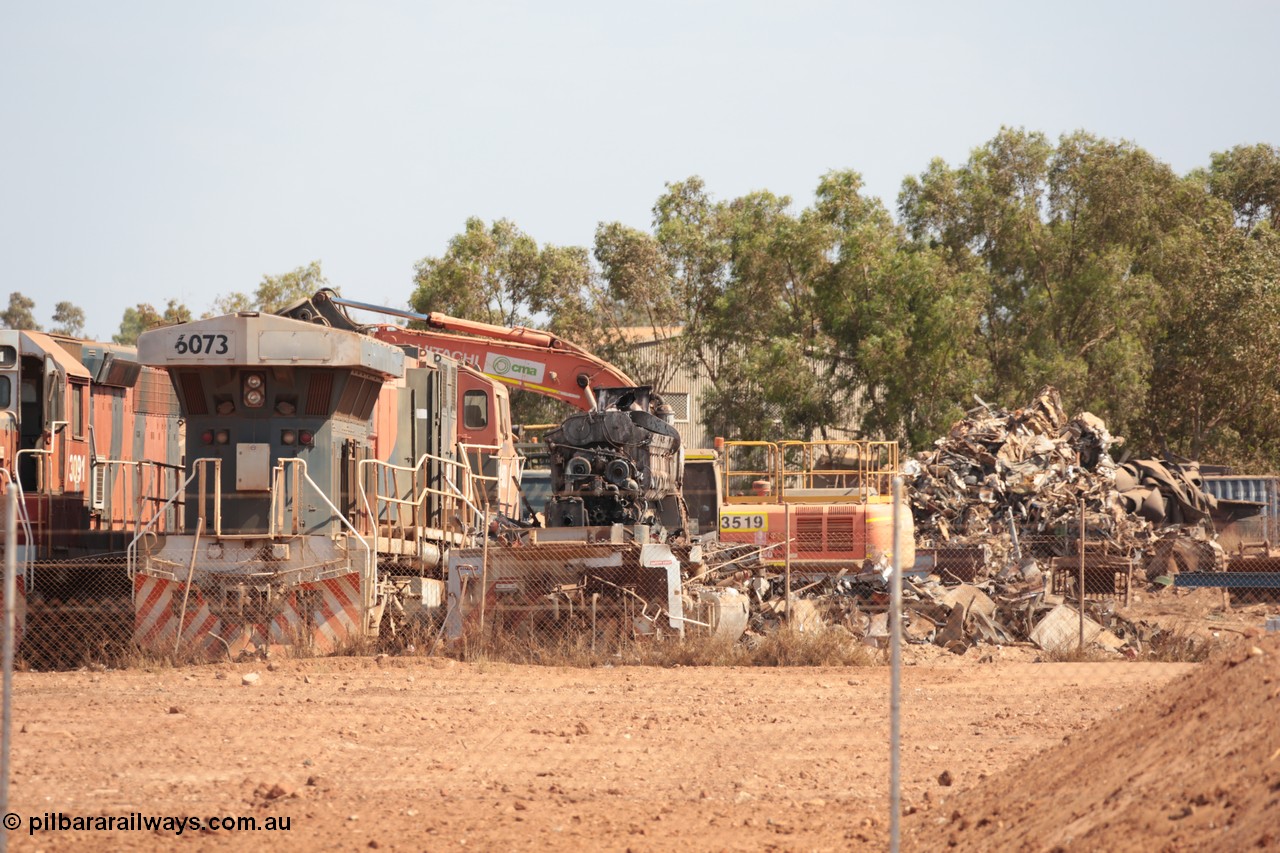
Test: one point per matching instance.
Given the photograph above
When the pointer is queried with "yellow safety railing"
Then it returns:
(849, 471)
(751, 472)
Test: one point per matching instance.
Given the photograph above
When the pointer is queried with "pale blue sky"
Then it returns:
(156, 150)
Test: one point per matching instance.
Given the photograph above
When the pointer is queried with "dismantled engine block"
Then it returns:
(620, 464)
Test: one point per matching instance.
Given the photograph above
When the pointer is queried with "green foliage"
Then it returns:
(274, 292)
(1248, 178)
(1215, 393)
(144, 316)
(19, 313)
(1149, 298)
(68, 320)
(1067, 246)
(498, 274)
(279, 291)
(488, 274)
(661, 286)
(230, 303)
(811, 322)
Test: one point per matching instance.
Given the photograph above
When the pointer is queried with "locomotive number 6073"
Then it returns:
(206, 344)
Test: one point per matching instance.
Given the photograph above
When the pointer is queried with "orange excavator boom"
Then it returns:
(518, 356)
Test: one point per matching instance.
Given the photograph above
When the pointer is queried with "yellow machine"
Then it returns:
(829, 502)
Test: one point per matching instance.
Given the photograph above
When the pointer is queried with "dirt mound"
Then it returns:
(1195, 767)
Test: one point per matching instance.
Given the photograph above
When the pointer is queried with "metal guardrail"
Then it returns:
(300, 472)
(131, 551)
(387, 498)
(855, 471)
(148, 487)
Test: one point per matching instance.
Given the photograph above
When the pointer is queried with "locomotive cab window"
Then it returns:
(475, 409)
(77, 409)
(6, 392)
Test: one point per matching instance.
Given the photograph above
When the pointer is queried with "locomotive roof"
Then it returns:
(37, 343)
(252, 339)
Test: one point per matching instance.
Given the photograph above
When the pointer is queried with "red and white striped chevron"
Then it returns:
(319, 616)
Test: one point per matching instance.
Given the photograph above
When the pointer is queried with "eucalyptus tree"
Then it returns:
(68, 319)
(144, 316)
(499, 274)
(19, 313)
(274, 292)
(1065, 245)
(1248, 178)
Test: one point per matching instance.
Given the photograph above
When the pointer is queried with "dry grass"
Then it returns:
(1163, 646)
(1075, 654)
(830, 647)
(1180, 646)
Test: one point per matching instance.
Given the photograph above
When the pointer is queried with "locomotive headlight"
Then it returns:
(288, 436)
(254, 387)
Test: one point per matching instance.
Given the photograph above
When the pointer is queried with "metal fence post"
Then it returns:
(484, 570)
(895, 675)
(1080, 586)
(10, 593)
(786, 544)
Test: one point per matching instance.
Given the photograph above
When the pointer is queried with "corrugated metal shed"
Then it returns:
(682, 389)
(1253, 529)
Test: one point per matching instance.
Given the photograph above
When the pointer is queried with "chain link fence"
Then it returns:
(554, 596)
(599, 597)
(586, 598)
(75, 613)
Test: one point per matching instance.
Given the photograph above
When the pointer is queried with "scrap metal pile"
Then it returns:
(1000, 478)
(997, 507)
(1014, 607)
(1003, 612)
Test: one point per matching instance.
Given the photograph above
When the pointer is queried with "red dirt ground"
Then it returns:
(1194, 767)
(431, 754)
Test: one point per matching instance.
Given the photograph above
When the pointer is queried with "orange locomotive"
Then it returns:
(91, 442)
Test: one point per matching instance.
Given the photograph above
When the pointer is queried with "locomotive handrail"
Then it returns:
(131, 552)
(199, 466)
(275, 513)
(24, 518)
(416, 501)
(43, 492)
(466, 495)
(141, 493)
(370, 554)
(495, 479)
